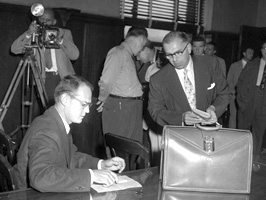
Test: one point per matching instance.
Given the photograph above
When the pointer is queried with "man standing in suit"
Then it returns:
(186, 83)
(232, 78)
(53, 64)
(48, 160)
(251, 95)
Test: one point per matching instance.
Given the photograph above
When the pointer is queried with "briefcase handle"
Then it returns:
(209, 128)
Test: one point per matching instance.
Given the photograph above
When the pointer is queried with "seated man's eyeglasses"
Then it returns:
(177, 53)
(83, 103)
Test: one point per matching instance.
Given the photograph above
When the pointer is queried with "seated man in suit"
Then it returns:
(48, 160)
(53, 63)
(186, 83)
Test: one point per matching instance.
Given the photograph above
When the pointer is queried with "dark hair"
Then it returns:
(149, 45)
(69, 84)
(213, 44)
(171, 36)
(198, 38)
(137, 31)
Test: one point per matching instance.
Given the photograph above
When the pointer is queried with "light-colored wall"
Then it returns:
(109, 8)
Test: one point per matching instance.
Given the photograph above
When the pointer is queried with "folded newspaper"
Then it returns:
(124, 182)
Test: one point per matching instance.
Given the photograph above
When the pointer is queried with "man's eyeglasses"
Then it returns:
(177, 53)
(83, 103)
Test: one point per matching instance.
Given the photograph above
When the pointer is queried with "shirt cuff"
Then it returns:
(99, 165)
(92, 176)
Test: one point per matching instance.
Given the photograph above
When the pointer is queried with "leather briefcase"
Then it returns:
(206, 159)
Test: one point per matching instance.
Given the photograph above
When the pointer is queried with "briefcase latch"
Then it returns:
(208, 144)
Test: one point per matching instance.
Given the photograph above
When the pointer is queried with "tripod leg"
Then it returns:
(40, 85)
(12, 88)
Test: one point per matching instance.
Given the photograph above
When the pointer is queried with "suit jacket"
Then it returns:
(222, 64)
(167, 99)
(48, 160)
(246, 85)
(233, 75)
(68, 51)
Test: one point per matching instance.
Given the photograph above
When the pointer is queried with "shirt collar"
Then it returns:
(67, 127)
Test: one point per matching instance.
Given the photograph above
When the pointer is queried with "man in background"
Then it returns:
(251, 95)
(198, 45)
(54, 64)
(151, 65)
(120, 98)
(210, 50)
(232, 78)
(48, 160)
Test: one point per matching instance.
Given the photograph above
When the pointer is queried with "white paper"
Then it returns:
(124, 182)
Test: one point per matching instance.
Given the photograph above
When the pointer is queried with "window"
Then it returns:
(164, 14)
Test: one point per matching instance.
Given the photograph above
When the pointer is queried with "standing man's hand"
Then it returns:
(100, 106)
(191, 118)
(32, 28)
(213, 119)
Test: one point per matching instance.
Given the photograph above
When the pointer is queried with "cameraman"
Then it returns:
(54, 64)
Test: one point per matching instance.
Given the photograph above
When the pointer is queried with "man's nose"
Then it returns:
(87, 109)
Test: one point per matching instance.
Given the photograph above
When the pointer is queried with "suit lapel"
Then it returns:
(175, 88)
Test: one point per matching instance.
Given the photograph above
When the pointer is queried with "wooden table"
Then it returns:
(149, 178)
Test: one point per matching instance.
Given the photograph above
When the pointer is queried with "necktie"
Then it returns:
(48, 58)
(189, 90)
(263, 80)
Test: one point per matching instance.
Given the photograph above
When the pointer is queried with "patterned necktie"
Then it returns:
(48, 58)
(189, 90)
(263, 80)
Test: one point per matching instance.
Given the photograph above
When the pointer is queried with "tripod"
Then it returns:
(30, 72)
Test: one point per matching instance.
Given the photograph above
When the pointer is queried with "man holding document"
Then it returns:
(190, 89)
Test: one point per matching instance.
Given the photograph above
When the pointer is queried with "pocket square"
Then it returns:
(212, 86)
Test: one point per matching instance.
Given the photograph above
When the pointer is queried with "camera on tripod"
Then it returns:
(47, 36)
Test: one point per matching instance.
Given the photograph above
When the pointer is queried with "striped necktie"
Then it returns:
(189, 90)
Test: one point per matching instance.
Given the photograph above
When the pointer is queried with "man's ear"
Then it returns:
(189, 48)
(64, 99)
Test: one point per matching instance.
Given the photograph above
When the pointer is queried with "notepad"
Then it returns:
(124, 182)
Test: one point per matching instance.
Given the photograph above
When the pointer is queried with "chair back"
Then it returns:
(136, 155)
(6, 176)
(6, 147)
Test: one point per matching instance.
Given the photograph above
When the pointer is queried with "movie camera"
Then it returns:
(46, 36)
